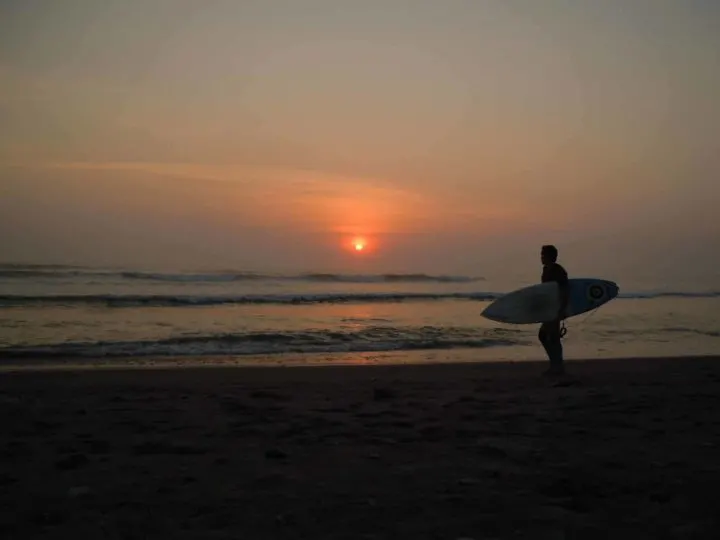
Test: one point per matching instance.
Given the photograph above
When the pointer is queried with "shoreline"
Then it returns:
(431, 357)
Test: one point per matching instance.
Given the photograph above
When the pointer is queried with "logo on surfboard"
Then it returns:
(596, 292)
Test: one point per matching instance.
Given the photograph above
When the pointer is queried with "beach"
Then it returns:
(620, 448)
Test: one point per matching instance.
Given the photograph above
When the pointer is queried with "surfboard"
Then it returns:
(540, 302)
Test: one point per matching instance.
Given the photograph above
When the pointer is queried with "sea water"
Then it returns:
(51, 313)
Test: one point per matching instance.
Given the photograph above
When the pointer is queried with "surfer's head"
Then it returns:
(548, 254)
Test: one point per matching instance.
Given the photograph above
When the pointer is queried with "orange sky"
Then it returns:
(453, 137)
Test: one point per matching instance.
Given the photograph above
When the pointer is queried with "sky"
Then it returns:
(454, 136)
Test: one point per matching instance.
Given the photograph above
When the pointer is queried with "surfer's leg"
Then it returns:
(556, 348)
(557, 357)
(544, 338)
(549, 336)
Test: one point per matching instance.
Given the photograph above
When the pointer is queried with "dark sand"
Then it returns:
(624, 449)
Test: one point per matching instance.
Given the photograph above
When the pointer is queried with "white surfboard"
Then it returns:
(540, 302)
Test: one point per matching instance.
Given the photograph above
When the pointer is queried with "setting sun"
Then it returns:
(357, 244)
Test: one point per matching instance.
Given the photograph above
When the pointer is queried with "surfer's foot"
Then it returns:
(554, 372)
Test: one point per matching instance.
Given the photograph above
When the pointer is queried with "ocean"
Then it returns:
(51, 313)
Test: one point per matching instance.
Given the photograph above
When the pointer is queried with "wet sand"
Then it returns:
(619, 449)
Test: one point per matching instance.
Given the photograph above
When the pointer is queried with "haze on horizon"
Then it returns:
(456, 136)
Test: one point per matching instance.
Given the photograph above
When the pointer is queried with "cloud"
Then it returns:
(327, 202)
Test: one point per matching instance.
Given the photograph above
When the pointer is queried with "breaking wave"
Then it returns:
(134, 300)
(12, 271)
(370, 339)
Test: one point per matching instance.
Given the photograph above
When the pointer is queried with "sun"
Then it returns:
(357, 244)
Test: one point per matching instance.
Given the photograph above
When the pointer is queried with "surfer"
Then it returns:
(550, 333)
